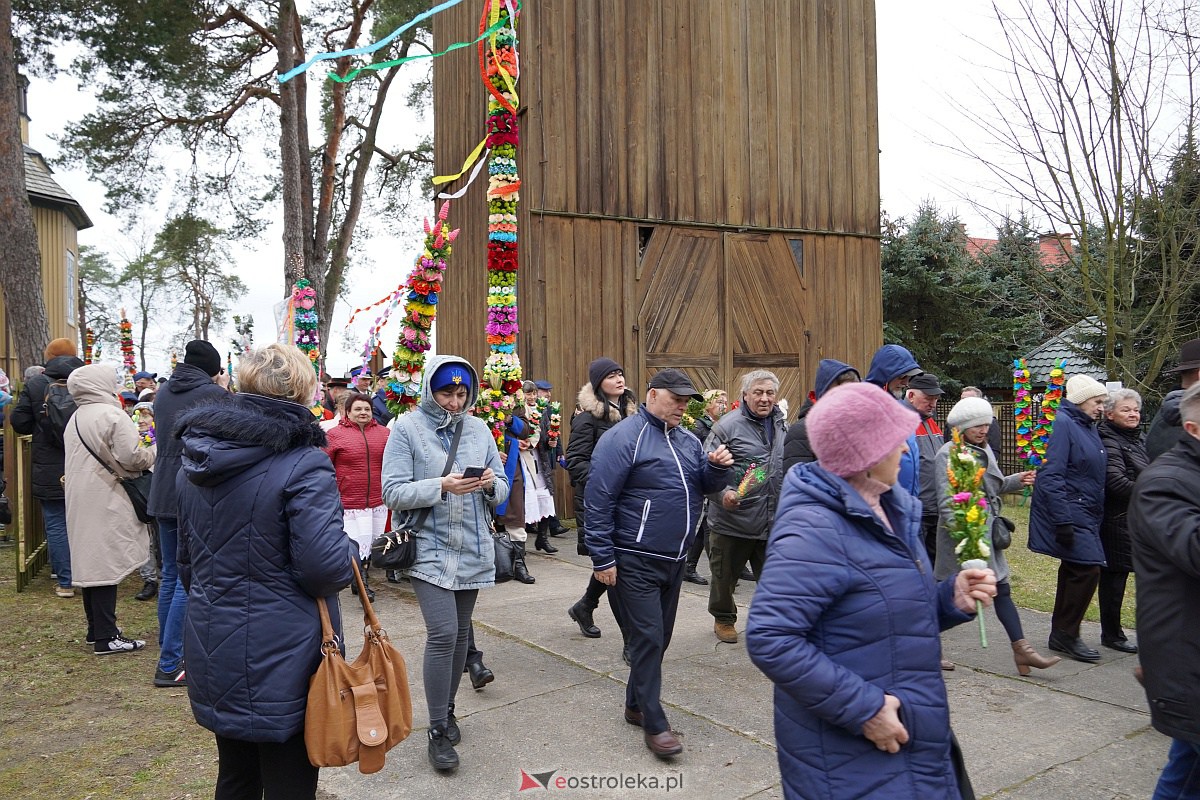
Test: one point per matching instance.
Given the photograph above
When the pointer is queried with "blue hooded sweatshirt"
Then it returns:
(890, 362)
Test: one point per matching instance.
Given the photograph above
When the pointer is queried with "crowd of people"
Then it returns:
(843, 518)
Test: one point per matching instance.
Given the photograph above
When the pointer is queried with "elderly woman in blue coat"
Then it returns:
(455, 554)
(260, 538)
(1067, 511)
(847, 616)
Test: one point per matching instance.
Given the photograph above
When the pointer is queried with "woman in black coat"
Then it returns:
(1125, 446)
(260, 539)
(603, 402)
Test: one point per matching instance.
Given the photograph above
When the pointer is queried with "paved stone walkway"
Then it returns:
(554, 712)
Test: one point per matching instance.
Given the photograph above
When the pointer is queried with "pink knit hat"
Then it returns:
(855, 425)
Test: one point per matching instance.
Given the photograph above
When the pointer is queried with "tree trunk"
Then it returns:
(294, 266)
(21, 265)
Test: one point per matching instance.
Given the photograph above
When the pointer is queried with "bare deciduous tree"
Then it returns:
(1096, 104)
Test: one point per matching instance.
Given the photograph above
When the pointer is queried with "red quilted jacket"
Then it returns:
(357, 455)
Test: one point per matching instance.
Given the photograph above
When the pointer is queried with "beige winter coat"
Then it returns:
(107, 540)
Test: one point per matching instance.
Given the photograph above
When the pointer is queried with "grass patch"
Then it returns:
(1035, 576)
(76, 726)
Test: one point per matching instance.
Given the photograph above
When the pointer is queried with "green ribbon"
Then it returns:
(503, 23)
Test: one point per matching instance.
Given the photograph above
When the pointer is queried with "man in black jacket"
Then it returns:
(199, 379)
(29, 418)
(1166, 428)
(1164, 523)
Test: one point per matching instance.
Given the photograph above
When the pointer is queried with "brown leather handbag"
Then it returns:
(358, 711)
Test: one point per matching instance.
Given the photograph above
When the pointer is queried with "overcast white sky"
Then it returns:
(928, 58)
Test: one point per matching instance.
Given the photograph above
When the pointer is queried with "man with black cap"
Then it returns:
(1167, 428)
(647, 480)
(922, 396)
(198, 379)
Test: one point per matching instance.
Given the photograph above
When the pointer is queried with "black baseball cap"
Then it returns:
(927, 383)
(675, 382)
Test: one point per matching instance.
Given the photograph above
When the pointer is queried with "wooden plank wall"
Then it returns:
(56, 237)
(730, 116)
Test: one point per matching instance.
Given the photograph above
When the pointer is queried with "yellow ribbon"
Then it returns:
(440, 179)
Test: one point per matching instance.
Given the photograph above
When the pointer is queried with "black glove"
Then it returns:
(1064, 535)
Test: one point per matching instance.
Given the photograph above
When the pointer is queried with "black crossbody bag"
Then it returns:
(397, 549)
(137, 488)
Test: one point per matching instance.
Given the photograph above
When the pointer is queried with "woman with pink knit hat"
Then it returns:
(847, 616)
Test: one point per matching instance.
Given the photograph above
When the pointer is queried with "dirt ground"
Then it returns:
(74, 725)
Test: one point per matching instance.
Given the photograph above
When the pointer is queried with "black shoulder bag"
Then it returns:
(137, 488)
(397, 549)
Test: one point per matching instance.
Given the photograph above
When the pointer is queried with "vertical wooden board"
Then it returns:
(546, 107)
(859, 127)
(736, 102)
(814, 127)
(674, 104)
(637, 117)
(705, 154)
(840, 169)
(654, 98)
(615, 304)
(587, 131)
(786, 113)
(608, 112)
(868, 208)
(762, 190)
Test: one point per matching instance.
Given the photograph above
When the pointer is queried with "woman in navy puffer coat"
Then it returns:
(260, 538)
(846, 616)
(1067, 510)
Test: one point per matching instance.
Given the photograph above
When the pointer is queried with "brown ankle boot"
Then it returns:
(1025, 657)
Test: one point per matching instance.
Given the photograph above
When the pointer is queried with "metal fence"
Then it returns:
(1010, 462)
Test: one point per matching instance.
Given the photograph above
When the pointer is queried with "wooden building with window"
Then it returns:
(700, 188)
(58, 218)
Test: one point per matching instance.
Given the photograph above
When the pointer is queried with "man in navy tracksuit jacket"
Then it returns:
(647, 480)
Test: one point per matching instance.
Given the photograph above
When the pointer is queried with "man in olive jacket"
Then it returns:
(740, 523)
(1164, 524)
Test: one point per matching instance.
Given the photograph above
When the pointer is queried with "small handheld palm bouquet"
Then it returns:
(754, 476)
(970, 524)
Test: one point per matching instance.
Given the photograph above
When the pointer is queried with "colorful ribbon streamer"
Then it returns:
(395, 62)
(371, 48)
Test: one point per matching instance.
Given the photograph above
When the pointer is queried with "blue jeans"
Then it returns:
(1180, 779)
(54, 512)
(172, 599)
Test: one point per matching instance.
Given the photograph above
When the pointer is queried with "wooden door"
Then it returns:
(719, 305)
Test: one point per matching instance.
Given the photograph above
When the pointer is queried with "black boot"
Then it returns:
(453, 734)
(580, 545)
(520, 571)
(691, 576)
(480, 675)
(366, 576)
(441, 752)
(556, 527)
(543, 537)
(583, 618)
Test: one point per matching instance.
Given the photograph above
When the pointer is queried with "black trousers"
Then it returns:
(700, 544)
(474, 654)
(647, 592)
(264, 770)
(100, 608)
(1111, 597)
(1076, 586)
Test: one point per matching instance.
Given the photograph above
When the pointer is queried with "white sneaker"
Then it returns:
(118, 645)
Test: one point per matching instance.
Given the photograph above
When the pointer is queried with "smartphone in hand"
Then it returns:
(473, 472)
